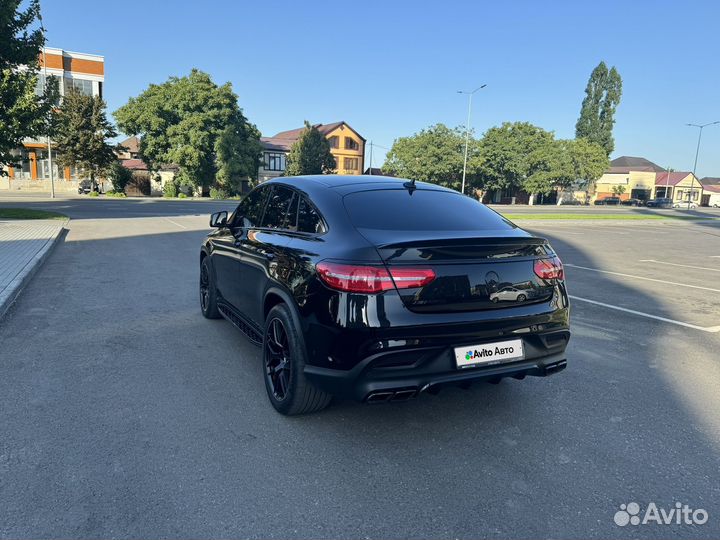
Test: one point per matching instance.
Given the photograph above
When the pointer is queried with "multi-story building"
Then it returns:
(85, 73)
(346, 144)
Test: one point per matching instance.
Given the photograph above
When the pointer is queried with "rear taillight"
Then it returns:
(372, 279)
(551, 268)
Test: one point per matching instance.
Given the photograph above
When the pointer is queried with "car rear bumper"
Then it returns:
(398, 375)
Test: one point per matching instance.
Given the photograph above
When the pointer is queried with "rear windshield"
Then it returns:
(424, 210)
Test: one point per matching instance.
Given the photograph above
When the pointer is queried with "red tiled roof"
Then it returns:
(713, 188)
(134, 164)
(140, 165)
(293, 134)
(661, 179)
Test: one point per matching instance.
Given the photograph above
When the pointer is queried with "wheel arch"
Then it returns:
(275, 296)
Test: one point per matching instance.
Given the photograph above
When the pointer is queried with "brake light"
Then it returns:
(372, 279)
(551, 268)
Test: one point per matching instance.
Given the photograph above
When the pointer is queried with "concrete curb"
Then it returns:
(12, 292)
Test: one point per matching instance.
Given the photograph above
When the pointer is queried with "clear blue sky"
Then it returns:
(392, 68)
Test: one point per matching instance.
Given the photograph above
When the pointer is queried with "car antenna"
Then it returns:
(410, 186)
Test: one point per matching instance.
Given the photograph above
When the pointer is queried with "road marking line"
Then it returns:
(683, 265)
(176, 223)
(711, 329)
(644, 278)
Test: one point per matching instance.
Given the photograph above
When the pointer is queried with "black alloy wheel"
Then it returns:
(277, 359)
(208, 295)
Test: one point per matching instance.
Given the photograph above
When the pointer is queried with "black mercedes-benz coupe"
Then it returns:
(379, 289)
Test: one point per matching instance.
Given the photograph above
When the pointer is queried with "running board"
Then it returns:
(238, 322)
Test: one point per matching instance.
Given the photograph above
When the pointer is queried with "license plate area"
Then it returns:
(485, 354)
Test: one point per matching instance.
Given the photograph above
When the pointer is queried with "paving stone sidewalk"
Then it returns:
(24, 245)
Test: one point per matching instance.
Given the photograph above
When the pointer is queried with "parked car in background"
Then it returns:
(660, 202)
(381, 289)
(684, 204)
(633, 202)
(85, 187)
(509, 294)
(608, 201)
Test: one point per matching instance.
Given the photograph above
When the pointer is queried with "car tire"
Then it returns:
(495, 300)
(208, 292)
(283, 364)
(521, 297)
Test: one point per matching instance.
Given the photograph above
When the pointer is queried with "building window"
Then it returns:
(40, 86)
(334, 141)
(83, 86)
(351, 144)
(351, 163)
(23, 171)
(43, 165)
(274, 161)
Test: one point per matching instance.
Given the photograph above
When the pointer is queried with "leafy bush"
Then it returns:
(115, 194)
(93, 194)
(119, 176)
(218, 193)
(170, 190)
(181, 195)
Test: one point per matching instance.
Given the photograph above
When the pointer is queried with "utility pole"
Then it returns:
(467, 132)
(371, 148)
(697, 151)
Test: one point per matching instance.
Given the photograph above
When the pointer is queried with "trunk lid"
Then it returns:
(474, 270)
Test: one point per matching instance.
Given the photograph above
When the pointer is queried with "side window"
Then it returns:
(250, 210)
(277, 207)
(291, 216)
(309, 221)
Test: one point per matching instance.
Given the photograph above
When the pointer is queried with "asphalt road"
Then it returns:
(124, 413)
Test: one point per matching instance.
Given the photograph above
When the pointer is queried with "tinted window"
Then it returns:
(277, 208)
(291, 217)
(309, 221)
(250, 210)
(421, 211)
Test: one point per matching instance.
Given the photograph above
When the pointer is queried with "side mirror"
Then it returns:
(219, 219)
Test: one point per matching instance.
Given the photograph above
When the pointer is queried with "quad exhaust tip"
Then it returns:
(391, 395)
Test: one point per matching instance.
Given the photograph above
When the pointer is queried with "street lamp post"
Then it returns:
(697, 151)
(467, 131)
(49, 144)
(45, 80)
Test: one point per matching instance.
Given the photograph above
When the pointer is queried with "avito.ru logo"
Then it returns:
(680, 514)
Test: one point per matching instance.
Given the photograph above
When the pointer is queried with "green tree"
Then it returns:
(119, 176)
(589, 162)
(550, 168)
(310, 154)
(197, 125)
(23, 113)
(597, 114)
(434, 155)
(513, 155)
(81, 134)
(618, 190)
